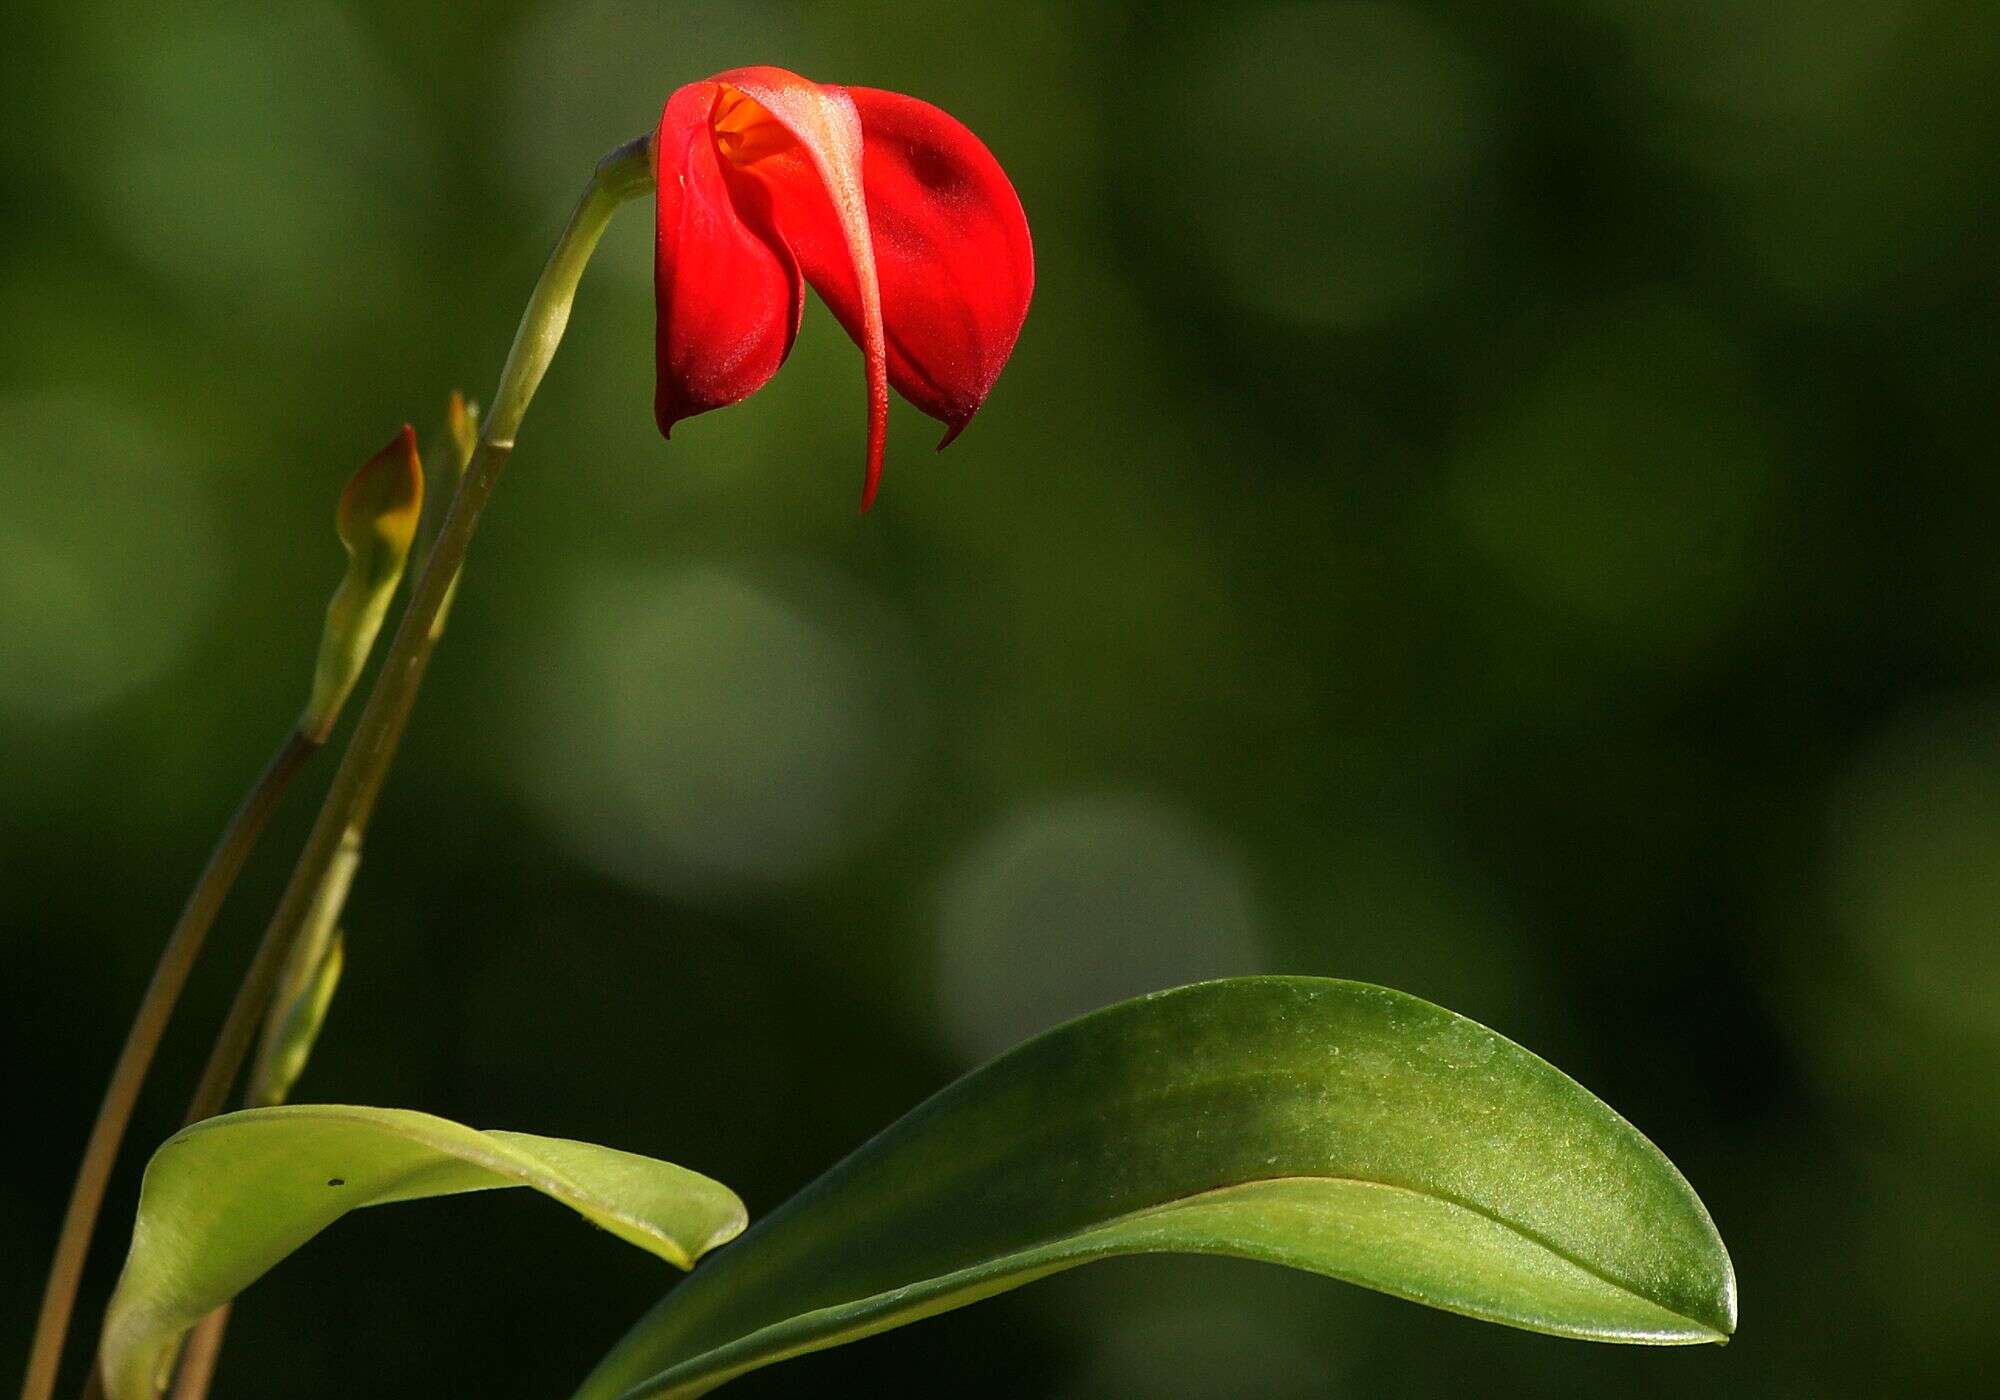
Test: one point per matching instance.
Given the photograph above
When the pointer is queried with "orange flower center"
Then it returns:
(744, 131)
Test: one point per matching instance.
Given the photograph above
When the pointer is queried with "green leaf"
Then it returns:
(228, 1198)
(1334, 1127)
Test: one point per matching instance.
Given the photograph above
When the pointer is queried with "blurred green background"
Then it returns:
(1492, 499)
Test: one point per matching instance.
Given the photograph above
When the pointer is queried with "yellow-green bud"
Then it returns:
(377, 521)
(461, 425)
(462, 420)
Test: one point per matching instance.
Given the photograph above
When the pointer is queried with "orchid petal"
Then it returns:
(821, 211)
(952, 251)
(728, 291)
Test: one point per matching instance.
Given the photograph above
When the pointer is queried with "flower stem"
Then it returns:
(156, 1008)
(365, 765)
(620, 176)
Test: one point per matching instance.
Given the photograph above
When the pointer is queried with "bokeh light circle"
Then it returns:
(1914, 866)
(709, 726)
(109, 554)
(1328, 161)
(1073, 905)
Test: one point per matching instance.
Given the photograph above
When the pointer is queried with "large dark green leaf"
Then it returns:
(228, 1198)
(1335, 1127)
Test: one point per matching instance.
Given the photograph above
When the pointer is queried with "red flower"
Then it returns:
(896, 214)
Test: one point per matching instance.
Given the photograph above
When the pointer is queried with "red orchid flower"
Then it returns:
(896, 214)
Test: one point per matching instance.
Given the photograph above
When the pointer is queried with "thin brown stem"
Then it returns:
(365, 765)
(343, 818)
(142, 1041)
(198, 1357)
(336, 835)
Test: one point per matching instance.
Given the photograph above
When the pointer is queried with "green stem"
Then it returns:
(156, 1009)
(350, 801)
(365, 765)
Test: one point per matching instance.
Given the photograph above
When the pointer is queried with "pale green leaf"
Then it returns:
(228, 1198)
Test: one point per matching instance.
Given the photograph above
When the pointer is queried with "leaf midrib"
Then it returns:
(943, 1284)
(1060, 1124)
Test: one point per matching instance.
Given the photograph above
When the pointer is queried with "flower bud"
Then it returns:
(462, 422)
(377, 521)
(461, 433)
